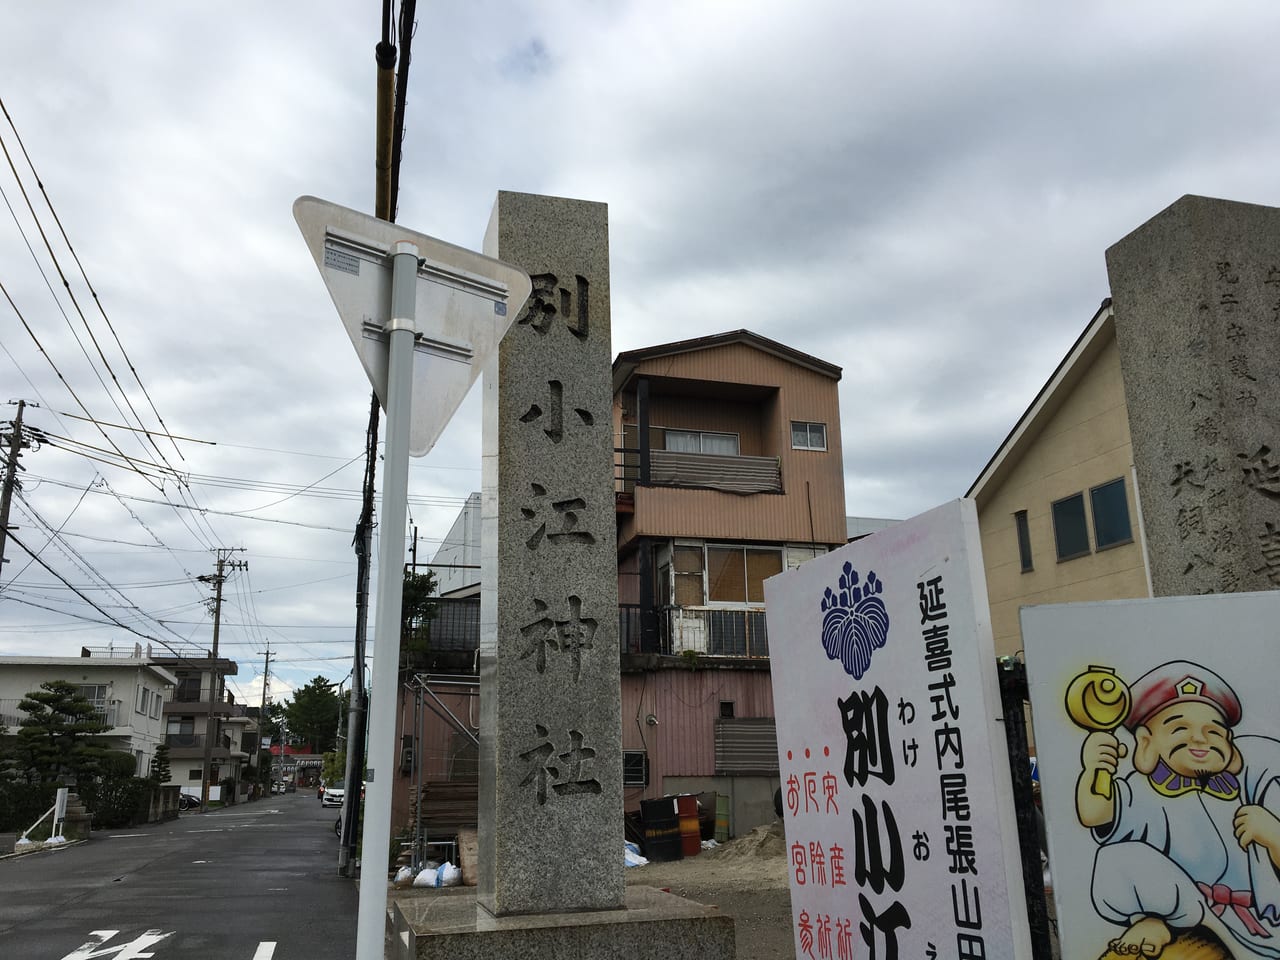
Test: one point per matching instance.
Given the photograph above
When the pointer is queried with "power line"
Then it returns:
(74, 396)
(71, 248)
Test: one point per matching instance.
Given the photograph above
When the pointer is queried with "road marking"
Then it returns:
(125, 836)
(219, 830)
(266, 950)
(133, 950)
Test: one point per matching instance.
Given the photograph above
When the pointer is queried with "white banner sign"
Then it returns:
(1155, 725)
(895, 776)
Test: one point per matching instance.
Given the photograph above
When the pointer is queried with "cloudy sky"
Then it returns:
(919, 192)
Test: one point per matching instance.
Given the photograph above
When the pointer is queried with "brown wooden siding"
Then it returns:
(686, 704)
(757, 518)
(730, 363)
(744, 418)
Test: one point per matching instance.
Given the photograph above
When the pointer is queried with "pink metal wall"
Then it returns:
(686, 705)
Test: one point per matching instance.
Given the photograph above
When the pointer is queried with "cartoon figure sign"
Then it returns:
(1160, 781)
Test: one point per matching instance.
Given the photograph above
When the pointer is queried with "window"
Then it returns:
(808, 436)
(726, 709)
(737, 574)
(144, 701)
(701, 441)
(798, 555)
(1069, 528)
(635, 768)
(95, 692)
(1024, 539)
(1110, 515)
(156, 704)
(197, 774)
(188, 689)
(688, 573)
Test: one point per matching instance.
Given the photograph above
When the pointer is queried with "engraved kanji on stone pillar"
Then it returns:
(551, 730)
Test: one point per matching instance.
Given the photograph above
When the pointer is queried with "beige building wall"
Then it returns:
(1080, 445)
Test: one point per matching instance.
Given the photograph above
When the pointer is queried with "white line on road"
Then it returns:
(133, 950)
(266, 950)
(219, 830)
(125, 836)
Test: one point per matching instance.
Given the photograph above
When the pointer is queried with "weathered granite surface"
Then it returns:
(1196, 294)
(551, 735)
(652, 925)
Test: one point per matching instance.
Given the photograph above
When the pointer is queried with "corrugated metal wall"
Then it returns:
(686, 704)
(445, 754)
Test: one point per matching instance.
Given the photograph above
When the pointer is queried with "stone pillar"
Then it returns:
(1196, 293)
(550, 815)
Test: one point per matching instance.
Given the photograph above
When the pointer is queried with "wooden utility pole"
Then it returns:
(262, 712)
(211, 724)
(10, 477)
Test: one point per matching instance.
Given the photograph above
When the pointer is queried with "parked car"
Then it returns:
(333, 795)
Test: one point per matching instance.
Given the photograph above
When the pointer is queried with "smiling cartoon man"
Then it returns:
(1189, 837)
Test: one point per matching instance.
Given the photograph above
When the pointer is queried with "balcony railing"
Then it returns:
(669, 468)
(709, 631)
(191, 741)
(11, 715)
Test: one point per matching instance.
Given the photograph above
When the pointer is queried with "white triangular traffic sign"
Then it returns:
(465, 303)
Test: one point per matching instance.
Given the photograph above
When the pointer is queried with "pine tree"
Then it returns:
(56, 737)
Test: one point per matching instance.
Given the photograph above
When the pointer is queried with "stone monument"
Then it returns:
(551, 814)
(1196, 294)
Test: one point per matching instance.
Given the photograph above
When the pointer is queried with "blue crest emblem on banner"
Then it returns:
(855, 622)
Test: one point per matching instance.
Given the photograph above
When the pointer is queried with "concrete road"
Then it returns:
(256, 881)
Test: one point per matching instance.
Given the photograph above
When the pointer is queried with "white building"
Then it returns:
(128, 690)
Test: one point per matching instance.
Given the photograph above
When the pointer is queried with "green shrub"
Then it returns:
(22, 804)
(117, 801)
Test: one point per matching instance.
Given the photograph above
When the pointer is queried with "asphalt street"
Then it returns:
(256, 881)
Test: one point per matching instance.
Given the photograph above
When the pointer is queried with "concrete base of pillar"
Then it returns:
(652, 926)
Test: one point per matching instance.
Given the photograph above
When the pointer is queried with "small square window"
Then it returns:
(1024, 539)
(635, 768)
(1110, 515)
(195, 774)
(1070, 531)
(808, 436)
(726, 709)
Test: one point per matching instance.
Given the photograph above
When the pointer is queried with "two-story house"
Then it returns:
(1058, 511)
(127, 687)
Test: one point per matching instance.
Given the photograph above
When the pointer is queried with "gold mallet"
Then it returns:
(1098, 700)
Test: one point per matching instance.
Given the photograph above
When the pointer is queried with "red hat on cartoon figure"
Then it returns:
(1180, 681)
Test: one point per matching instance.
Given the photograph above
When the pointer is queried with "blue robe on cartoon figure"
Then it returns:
(1170, 851)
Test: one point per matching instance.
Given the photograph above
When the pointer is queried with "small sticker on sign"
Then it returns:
(341, 260)
(499, 308)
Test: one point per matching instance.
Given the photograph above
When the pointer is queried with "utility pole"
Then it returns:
(211, 724)
(262, 710)
(10, 477)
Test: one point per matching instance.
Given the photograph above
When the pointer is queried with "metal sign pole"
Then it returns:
(376, 837)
